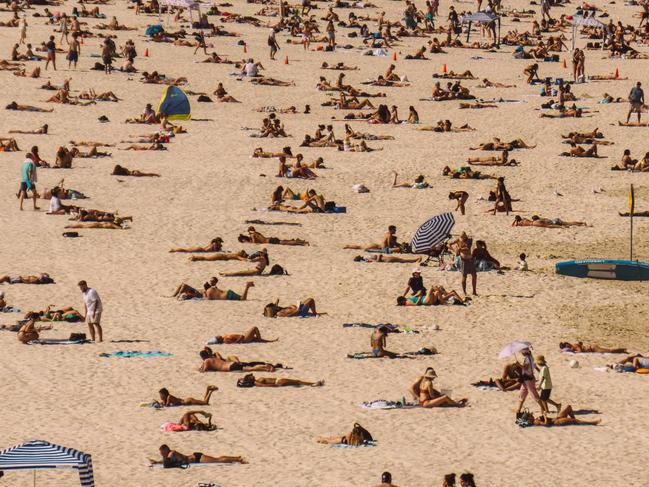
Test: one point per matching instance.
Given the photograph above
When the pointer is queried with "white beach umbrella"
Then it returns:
(513, 347)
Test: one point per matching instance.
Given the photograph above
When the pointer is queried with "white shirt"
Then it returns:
(55, 204)
(93, 302)
(251, 69)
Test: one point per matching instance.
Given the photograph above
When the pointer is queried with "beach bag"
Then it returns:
(77, 337)
(360, 436)
(405, 248)
(277, 270)
(525, 419)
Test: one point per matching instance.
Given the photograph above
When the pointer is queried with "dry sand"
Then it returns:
(209, 184)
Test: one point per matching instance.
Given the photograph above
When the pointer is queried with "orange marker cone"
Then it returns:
(444, 69)
(245, 49)
(146, 52)
(565, 65)
(394, 56)
(286, 60)
(617, 73)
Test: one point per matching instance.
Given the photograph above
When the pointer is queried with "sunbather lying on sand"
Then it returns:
(579, 347)
(566, 417)
(578, 151)
(214, 362)
(211, 292)
(250, 380)
(419, 183)
(390, 259)
(537, 221)
(252, 335)
(257, 238)
(168, 400)
(499, 145)
(503, 160)
(389, 242)
(27, 108)
(215, 245)
(117, 224)
(465, 172)
(303, 309)
(42, 278)
(429, 397)
(639, 361)
(219, 256)
(66, 313)
(358, 436)
(509, 381)
(122, 171)
(40, 131)
(191, 422)
(173, 459)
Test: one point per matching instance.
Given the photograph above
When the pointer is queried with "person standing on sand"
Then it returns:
(23, 31)
(28, 181)
(528, 382)
(74, 50)
(92, 310)
(272, 44)
(51, 53)
(636, 100)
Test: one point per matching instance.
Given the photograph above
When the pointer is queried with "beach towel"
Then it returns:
(383, 404)
(369, 444)
(481, 385)
(192, 465)
(135, 353)
(58, 341)
(171, 427)
(264, 222)
(366, 355)
(9, 309)
(151, 404)
(391, 328)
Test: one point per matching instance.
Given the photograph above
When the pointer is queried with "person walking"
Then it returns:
(28, 180)
(528, 382)
(545, 384)
(272, 44)
(23, 31)
(92, 310)
(636, 100)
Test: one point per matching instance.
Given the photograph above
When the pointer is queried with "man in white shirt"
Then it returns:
(92, 310)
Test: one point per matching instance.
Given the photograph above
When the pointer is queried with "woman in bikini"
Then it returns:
(168, 400)
(251, 381)
(215, 245)
(304, 309)
(173, 459)
(257, 238)
(429, 397)
(579, 347)
(566, 417)
(260, 258)
(122, 171)
(251, 335)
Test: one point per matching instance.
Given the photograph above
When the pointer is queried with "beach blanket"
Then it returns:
(383, 404)
(151, 404)
(58, 341)
(264, 222)
(491, 386)
(136, 353)
(9, 309)
(366, 355)
(369, 444)
(391, 328)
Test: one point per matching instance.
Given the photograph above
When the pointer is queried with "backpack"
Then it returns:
(277, 270)
(360, 436)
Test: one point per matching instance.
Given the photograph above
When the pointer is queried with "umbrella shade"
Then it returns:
(513, 347)
(432, 233)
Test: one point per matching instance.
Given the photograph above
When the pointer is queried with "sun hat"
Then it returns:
(430, 373)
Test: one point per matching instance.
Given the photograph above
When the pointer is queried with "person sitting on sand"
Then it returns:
(257, 238)
(419, 183)
(378, 341)
(579, 347)
(358, 436)
(174, 459)
(122, 171)
(537, 221)
(211, 292)
(418, 55)
(508, 381)
(56, 207)
(297, 170)
(168, 400)
(42, 278)
(435, 296)
(566, 417)
(222, 95)
(27, 333)
(249, 380)
(626, 162)
(215, 245)
(8, 145)
(252, 335)
(483, 259)
(427, 396)
(304, 309)
(389, 243)
(503, 160)
(214, 362)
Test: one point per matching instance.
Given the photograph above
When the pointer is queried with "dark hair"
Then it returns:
(449, 479)
(82, 283)
(386, 477)
(468, 478)
(164, 391)
(243, 238)
(401, 301)
(204, 354)
(419, 179)
(522, 256)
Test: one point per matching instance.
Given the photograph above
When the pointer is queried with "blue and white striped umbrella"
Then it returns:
(432, 233)
(39, 455)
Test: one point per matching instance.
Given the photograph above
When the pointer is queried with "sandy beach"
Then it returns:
(209, 186)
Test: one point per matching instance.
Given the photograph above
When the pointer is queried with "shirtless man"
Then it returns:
(428, 397)
(215, 363)
(42, 278)
(252, 335)
(503, 160)
(389, 242)
(168, 400)
(173, 459)
(537, 221)
(305, 309)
